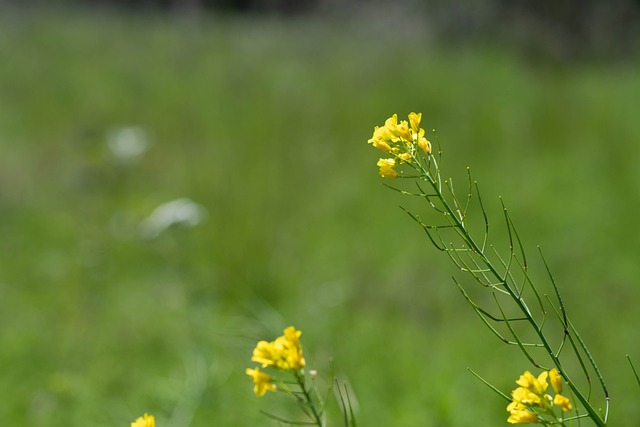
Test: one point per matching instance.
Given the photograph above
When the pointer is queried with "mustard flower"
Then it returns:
(288, 353)
(144, 421)
(263, 382)
(525, 397)
(295, 359)
(530, 403)
(382, 135)
(284, 353)
(418, 134)
(562, 402)
(522, 416)
(386, 168)
(264, 353)
(387, 137)
(556, 380)
(399, 139)
(516, 406)
(536, 385)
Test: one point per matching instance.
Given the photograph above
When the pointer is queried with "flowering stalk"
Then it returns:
(284, 356)
(506, 277)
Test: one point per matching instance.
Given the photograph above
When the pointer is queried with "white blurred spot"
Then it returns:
(128, 143)
(179, 211)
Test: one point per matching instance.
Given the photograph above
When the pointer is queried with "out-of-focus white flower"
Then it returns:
(179, 211)
(128, 143)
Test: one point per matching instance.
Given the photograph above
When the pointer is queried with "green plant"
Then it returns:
(519, 312)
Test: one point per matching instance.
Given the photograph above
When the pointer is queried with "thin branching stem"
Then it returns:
(454, 214)
(306, 400)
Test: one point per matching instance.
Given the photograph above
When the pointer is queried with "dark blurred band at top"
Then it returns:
(565, 29)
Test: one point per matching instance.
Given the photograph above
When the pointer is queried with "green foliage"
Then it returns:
(262, 124)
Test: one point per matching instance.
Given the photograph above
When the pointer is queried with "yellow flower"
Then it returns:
(385, 134)
(423, 143)
(556, 380)
(418, 133)
(144, 421)
(264, 353)
(263, 383)
(516, 406)
(284, 353)
(403, 132)
(522, 417)
(401, 138)
(293, 348)
(386, 168)
(393, 130)
(536, 385)
(405, 157)
(292, 335)
(525, 396)
(530, 399)
(378, 139)
(414, 119)
(562, 402)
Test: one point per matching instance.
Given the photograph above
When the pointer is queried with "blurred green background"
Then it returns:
(255, 125)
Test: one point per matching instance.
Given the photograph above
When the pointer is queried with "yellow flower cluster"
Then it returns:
(144, 421)
(399, 140)
(530, 399)
(284, 353)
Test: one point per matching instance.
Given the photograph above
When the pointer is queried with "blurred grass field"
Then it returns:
(264, 124)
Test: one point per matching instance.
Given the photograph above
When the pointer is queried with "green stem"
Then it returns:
(299, 375)
(464, 233)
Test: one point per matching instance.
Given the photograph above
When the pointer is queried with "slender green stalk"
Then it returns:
(633, 368)
(307, 400)
(456, 217)
(471, 257)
